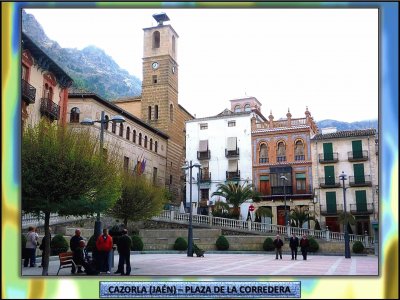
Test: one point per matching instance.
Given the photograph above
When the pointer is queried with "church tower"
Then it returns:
(159, 101)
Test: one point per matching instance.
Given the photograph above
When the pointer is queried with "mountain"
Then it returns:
(91, 68)
(348, 126)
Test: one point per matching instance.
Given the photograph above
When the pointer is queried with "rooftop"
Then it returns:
(345, 134)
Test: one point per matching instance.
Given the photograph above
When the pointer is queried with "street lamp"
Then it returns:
(102, 121)
(284, 179)
(343, 177)
(190, 233)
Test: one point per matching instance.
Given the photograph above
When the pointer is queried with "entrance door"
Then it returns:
(332, 223)
(281, 215)
(362, 225)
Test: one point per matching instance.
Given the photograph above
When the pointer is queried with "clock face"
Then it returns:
(154, 65)
(173, 69)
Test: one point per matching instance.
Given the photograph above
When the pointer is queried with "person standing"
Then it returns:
(304, 244)
(124, 245)
(278, 243)
(30, 247)
(104, 245)
(294, 243)
(74, 245)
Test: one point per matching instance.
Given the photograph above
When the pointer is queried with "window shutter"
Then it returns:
(359, 173)
(357, 149)
(328, 151)
(361, 201)
(331, 202)
(329, 175)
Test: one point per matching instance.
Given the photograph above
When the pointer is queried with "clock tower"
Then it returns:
(159, 101)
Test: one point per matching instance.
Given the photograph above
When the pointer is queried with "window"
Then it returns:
(171, 112)
(25, 73)
(281, 152)
(361, 201)
(329, 175)
(134, 136)
(357, 149)
(155, 79)
(106, 124)
(154, 175)
(126, 163)
(145, 141)
(173, 44)
(170, 179)
(204, 126)
(265, 188)
(156, 39)
(299, 151)
(359, 176)
(140, 139)
(264, 154)
(231, 123)
(151, 144)
(156, 112)
(149, 113)
(247, 107)
(128, 132)
(328, 151)
(74, 116)
(204, 194)
(113, 127)
(237, 109)
(121, 129)
(301, 182)
(331, 202)
(155, 146)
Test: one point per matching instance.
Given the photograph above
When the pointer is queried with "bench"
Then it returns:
(66, 261)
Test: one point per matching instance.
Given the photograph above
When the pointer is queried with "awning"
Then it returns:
(203, 145)
(232, 166)
(231, 144)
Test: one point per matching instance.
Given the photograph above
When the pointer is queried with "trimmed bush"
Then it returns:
(268, 244)
(137, 243)
(358, 247)
(91, 244)
(58, 244)
(180, 244)
(314, 246)
(222, 243)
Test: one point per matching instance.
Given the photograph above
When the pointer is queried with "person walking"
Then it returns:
(294, 243)
(104, 245)
(74, 245)
(30, 247)
(304, 244)
(124, 245)
(278, 243)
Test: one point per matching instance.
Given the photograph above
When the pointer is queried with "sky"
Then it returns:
(325, 59)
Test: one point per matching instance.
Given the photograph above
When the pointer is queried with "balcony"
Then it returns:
(232, 153)
(299, 157)
(331, 210)
(281, 158)
(305, 191)
(278, 190)
(360, 180)
(328, 158)
(357, 155)
(264, 160)
(50, 109)
(28, 92)
(361, 209)
(328, 182)
(233, 176)
(201, 155)
(205, 177)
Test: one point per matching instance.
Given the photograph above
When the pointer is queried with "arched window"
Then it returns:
(51, 93)
(171, 112)
(134, 136)
(140, 139)
(106, 124)
(156, 112)
(156, 39)
(247, 107)
(121, 129)
(128, 132)
(237, 108)
(173, 44)
(151, 144)
(145, 141)
(46, 92)
(299, 150)
(74, 116)
(149, 113)
(264, 154)
(113, 127)
(155, 146)
(281, 152)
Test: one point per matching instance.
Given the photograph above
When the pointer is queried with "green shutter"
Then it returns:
(331, 202)
(328, 151)
(361, 201)
(329, 175)
(359, 173)
(357, 149)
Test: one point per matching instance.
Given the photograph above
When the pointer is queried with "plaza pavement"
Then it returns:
(229, 264)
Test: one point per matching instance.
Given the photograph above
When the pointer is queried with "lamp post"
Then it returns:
(343, 177)
(284, 179)
(190, 231)
(102, 121)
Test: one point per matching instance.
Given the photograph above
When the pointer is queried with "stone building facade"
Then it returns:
(44, 86)
(355, 153)
(283, 148)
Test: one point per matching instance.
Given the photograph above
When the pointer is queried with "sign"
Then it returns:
(251, 207)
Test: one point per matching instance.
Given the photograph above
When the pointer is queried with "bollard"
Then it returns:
(249, 225)
(328, 237)
(172, 215)
(366, 244)
(288, 229)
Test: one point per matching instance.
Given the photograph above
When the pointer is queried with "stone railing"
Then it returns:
(258, 228)
(33, 220)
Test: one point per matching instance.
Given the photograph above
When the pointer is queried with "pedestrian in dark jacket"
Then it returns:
(74, 245)
(278, 243)
(124, 245)
(304, 244)
(294, 243)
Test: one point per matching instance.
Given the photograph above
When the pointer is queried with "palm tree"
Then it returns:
(264, 212)
(350, 220)
(236, 194)
(299, 215)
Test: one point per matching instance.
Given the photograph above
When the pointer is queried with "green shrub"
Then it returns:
(58, 244)
(222, 243)
(137, 243)
(180, 244)
(314, 246)
(91, 244)
(268, 244)
(358, 247)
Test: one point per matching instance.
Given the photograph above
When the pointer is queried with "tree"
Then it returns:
(236, 194)
(63, 172)
(140, 199)
(264, 212)
(348, 219)
(300, 215)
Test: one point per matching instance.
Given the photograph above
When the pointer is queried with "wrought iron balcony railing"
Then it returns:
(357, 155)
(264, 160)
(203, 155)
(360, 180)
(363, 208)
(28, 92)
(328, 182)
(235, 176)
(299, 157)
(50, 109)
(232, 153)
(278, 190)
(331, 210)
(281, 158)
(205, 177)
(326, 158)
